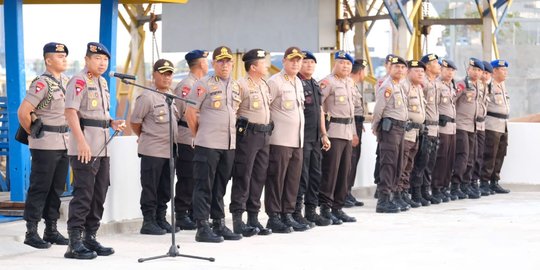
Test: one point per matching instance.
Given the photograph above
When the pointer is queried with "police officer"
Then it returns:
(481, 112)
(286, 142)
(498, 110)
(412, 88)
(466, 99)
(427, 151)
(447, 133)
(198, 67)
(338, 103)
(389, 121)
(253, 129)
(48, 145)
(212, 122)
(150, 121)
(357, 74)
(89, 120)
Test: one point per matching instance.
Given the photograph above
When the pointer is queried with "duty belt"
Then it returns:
(182, 123)
(95, 123)
(412, 125)
(341, 120)
(359, 119)
(431, 123)
(498, 115)
(480, 119)
(446, 119)
(260, 127)
(58, 129)
(398, 123)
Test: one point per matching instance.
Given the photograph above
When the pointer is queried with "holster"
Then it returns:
(241, 126)
(386, 124)
(36, 128)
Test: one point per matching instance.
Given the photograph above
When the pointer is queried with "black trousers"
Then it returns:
(156, 186)
(495, 151)
(90, 184)
(212, 170)
(249, 171)
(479, 155)
(409, 152)
(185, 182)
(47, 181)
(463, 164)
(336, 166)
(310, 180)
(391, 144)
(284, 170)
(424, 161)
(355, 156)
(444, 164)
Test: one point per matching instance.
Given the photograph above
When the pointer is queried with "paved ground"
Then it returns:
(498, 232)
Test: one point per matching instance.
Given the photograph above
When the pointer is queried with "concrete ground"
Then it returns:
(496, 232)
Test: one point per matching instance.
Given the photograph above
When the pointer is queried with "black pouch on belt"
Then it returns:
(386, 124)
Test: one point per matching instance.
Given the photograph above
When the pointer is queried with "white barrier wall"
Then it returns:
(520, 167)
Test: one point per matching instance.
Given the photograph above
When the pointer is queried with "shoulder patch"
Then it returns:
(323, 84)
(387, 92)
(460, 86)
(79, 86)
(200, 90)
(185, 90)
(39, 86)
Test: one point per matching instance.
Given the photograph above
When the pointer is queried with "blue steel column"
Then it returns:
(107, 36)
(19, 156)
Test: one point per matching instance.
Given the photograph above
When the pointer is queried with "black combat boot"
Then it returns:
(484, 188)
(32, 237)
(253, 221)
(397, 200)
(91, 243)
(297, 215)
(475, 188)
(276, 225)
(494, 186)
(448, 195)
(384, 205)
(437, 196)
(288, 220)
(326, 212)
(456, 191)
(162, 222)
(76, 248)
(430, 197)
(219, 228)
(342, 215)
(151, 227)
(466, 188)
(312, 216)
(405, 197)
(417, 197)
(352, 199)
(239, 227)
(205, 233)
(52, 235)
(184, 221)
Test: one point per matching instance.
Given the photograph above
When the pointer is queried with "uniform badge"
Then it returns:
(460, 86)
(200, 91)
(79, 86)
(341, 98)
(235, 86)
(216, 104)
(445, 99)
(185, 91)
(431, 99)
(288, 104)
(414, 108)
(94, 103)
(309, 99)
(387, 92)
(214, 87)
(255, 104)
(39, 86)
(161, 118)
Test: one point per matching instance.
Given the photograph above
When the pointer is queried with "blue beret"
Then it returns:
(195, 54)
(388, 58)
(473, 62)
(499, 63)
(487, 67)
(428, 58)
(309, 55)
(416, 64)
(398, 60)
(97, 48)
(55, 47)
(449, 64)
(343, 55)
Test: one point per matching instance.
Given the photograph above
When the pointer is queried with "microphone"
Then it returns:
(122, 76)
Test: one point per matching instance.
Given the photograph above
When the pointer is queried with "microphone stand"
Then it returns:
(173, 250)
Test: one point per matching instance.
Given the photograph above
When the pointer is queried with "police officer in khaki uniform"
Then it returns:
(412, 87)
(212, 122)
(198, 67)
(286, 142)
(498, 110)
(338, 103)
(466, 106)
(357, 74)
(48, 145)
(389, 121)
(253, 129)
(150, 121)
(447, 133)
(89, 120)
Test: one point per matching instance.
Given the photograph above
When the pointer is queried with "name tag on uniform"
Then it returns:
(159, 105)
(216, 93)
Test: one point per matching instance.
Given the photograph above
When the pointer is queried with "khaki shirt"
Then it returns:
(390, 102)
(416, 108)
(217, 102)
(152, 112)
(255, 101)
(481, 106)
(498, 102)
(338, 101)
(90, 96)
(431, 92)
(358, 100)
(466, 105)
(182, 90)
(447, 107)
(287, 110)
(52, 114)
